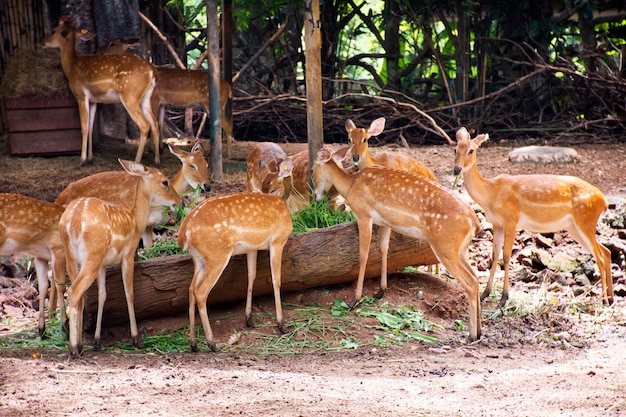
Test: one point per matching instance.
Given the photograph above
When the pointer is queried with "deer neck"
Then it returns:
(367, 160)
(68, 55)
(476, 185)
(179, 183)
(141, 207)
(340, 179)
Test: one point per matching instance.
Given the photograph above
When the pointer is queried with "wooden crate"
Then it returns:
(42, 126)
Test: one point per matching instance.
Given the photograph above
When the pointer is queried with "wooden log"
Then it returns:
(317, 258)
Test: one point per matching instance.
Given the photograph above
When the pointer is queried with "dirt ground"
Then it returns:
(561, 363)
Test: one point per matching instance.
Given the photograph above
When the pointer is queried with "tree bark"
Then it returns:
(317, 258)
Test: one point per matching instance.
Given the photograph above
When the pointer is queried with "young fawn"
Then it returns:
(411, 205)
(220, 227)
(363, 158)
(539, 203)
(97, 233)
(31, 227)
(120, 187)
(268, 170)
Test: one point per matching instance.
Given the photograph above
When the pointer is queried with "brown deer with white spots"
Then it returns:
(30, 227)
(268, 170)
(538, 203)
(179, 87)
(126, 78)
(411, 205)
(220, 227)
(363, 158)
(97, 233)
(120, 187)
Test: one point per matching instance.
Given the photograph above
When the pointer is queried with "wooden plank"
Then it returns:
(317, 258)
(44, 142)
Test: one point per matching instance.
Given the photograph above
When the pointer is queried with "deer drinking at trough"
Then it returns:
(30, 226)
(126, 79)
(268, 170)
(220, 227)
(538, 203)
(411, 205)
(121, 187)
(97, 233)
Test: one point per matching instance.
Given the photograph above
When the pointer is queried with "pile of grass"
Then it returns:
(34, 73)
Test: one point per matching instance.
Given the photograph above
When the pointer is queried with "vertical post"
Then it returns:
(313, 63)
(227, 61)
(213, 38)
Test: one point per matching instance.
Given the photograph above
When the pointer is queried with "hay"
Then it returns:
(34, 73)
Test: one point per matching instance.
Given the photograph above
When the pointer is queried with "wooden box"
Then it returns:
(42, 126)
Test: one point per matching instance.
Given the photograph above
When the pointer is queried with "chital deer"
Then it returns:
(220, 227)
(539, 203)
(268, 170)
(120, 187)
(31, 227)
(363, 158)
(126, 79)
(300, 194)
(411, 205)
(97, 233)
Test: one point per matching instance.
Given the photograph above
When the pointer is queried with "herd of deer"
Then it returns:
(99, 220)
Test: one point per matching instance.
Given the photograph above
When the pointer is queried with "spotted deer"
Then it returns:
(268, 170)
(539, 203)
(30, 226)
(120, 186)
(126, 78)
(220, 227)
(411, 205)
(363, 158)
(98, 233)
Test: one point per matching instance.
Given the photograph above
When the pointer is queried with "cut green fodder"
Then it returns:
(318, 215)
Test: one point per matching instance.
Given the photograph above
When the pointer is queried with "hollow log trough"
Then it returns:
(317, 258)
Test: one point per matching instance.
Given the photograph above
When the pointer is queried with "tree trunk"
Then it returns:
(320, 257)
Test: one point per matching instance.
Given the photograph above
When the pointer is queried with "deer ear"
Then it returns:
(324, 155)
(133, 168)
(197, 147)
(481, 138)
(350, 126)
(462, 134)
(85, 35)
(340, 155)
(285, 167)
(377, 127)
(179, 153)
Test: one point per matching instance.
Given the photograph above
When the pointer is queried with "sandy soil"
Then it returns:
(560, 363)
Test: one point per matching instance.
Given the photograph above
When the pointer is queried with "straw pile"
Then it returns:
(34, 73)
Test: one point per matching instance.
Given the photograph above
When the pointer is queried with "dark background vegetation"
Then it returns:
(532, 70)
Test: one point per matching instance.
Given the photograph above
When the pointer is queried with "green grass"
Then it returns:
(318, 215)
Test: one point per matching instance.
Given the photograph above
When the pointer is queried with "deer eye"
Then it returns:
(166, 184)
(194, 166)
(471, 151)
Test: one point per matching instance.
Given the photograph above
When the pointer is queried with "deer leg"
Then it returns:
(587, 239)
(41, 269)
(83, 110)
(498, 240)
(128, 264)
(76, 304)
(509, 239)
(365, 237)
(251, 258)
(276, 256)
(92, 119)
(384, 236)
(102, 296)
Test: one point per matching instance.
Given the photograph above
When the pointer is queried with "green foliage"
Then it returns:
(318, 215)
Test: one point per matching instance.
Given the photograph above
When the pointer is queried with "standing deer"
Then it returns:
(220, 227)
(539, 203)
(121, 187)
(97, 233)
(363, 158)
(126, 79)
(411, 205)
(179, 87)
(268, 170)
(31, 227)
